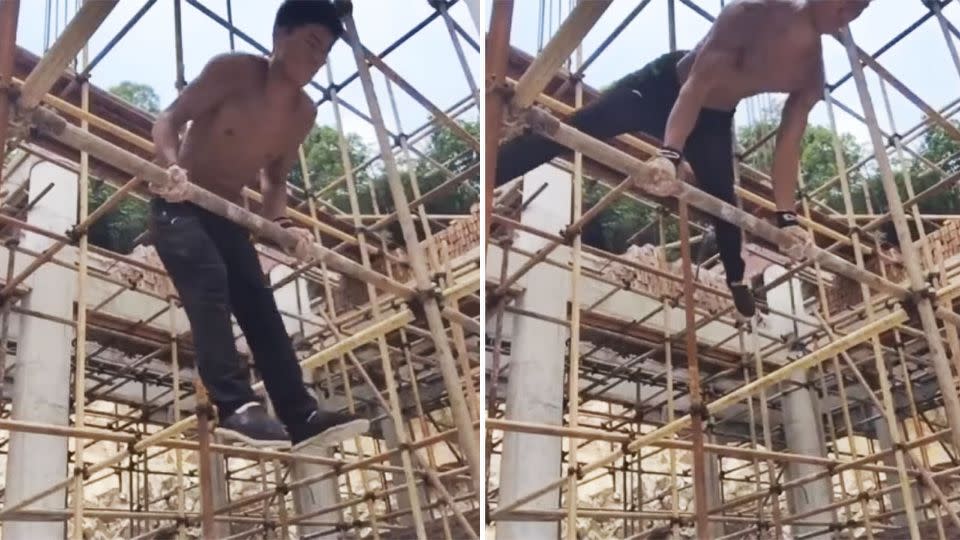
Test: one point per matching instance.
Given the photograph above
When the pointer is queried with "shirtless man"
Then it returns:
(687, 99)
(247, 116)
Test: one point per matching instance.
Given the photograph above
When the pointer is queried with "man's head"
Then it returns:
(832, 15)
(303, 33)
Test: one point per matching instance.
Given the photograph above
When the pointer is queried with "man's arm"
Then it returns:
(716, 59)
(786, 154)
(273, 178)
(214, 84)
(273, 186)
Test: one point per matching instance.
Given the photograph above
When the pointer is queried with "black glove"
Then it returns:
(675, 156)
(787, 218)
(284, 222)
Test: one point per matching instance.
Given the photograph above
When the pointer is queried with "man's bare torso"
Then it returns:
(226, 148)
(777, 49)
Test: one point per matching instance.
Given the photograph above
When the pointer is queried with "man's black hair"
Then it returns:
(293, 14)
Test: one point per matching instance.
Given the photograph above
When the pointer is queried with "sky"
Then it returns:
(146, 54)
(922, 60)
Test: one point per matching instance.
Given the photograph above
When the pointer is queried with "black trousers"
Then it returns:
(641, 102)
(216, 272)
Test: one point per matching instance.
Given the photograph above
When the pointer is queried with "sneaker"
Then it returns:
(251, 425)
(327, 429)
(743, 299)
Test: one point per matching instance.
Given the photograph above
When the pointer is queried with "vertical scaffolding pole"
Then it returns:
(431, 308)
(9, 13)
(573, 368)
(911, 261)
(913, 268)
(80, 349)
(497, 54)
(394, 410)
(697, 408)
(178, 454)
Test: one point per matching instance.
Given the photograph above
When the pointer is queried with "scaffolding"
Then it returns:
(834, 415)
(386, 328)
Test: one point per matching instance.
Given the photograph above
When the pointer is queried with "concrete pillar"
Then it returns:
(801, 425)
(895, 497)
(402, 497)
(536, 363)
(42, 382)
(293, 298)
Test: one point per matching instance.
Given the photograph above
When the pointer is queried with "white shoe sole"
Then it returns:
(336, 434)
(236, 436)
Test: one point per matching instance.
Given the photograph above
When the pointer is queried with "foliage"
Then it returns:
(119, 228)
(322, 153)
(818, 163)
(323, 157)
(138, 95)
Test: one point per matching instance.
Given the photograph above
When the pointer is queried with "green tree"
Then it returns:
(450, 150)
(818, 162)
(456, 155)
(119, 228)
(940, 148)
(138, 95)
(321, 149)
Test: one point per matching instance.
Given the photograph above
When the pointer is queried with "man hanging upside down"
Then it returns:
(248, 116)
(687, 99)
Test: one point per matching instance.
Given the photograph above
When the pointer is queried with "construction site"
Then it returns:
(624, 397)
(105, 428)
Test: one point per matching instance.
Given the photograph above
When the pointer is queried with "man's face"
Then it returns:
(832, 15)
(303, 51)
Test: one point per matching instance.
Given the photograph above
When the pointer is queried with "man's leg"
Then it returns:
(625, 107)
(710, 153)
(256, 310)
(258, 316)
(200, 277)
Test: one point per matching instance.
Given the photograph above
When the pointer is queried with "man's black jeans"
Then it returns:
(642, 102)
(215, 269)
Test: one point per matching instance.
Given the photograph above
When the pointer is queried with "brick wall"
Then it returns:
(658, 286)
(945, 242)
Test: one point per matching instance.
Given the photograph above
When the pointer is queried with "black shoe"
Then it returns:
(251, 425)
(327, 429)
(743, 299)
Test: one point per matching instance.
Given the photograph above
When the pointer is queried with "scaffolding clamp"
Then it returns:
(699, 410)
(575, 471)
(82, 471)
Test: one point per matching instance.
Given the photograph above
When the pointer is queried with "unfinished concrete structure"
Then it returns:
(649, 410)
(116, 440)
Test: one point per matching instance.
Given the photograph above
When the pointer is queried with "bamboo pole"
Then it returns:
(80, 349)
(55, 126)
(442, 118)
(881, 324)
(573, 366)
(605, 153)
(910, 259)
(697, 412)
(561, 45)
(458, 47)
(496, 57)
(394, 409)
(178, 454)
(9, 14)
(431, 307)
(62, 52)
